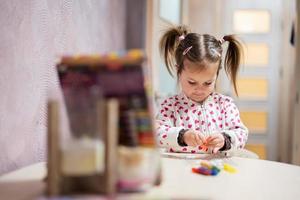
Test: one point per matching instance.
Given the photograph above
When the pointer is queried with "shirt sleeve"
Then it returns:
(166, 131)
(234, 126)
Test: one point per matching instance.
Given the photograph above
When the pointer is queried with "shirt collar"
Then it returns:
(186, 100)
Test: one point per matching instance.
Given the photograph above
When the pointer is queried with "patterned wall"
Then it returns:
(33, 35)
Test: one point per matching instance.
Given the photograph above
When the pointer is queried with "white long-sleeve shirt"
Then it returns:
(217, 114)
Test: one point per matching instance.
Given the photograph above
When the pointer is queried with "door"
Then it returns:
(258, 24)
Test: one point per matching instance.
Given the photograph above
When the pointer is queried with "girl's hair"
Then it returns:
(178, 44)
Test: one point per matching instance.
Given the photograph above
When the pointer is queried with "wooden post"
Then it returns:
(111, 145)
(53, 179)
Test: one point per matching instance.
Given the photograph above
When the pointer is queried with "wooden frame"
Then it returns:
(57, 183)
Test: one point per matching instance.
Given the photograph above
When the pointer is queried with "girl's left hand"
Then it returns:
(215, 141)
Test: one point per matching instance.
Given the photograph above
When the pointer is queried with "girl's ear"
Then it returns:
(177, 67)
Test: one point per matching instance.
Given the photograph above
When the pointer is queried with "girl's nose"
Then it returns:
(199, 88)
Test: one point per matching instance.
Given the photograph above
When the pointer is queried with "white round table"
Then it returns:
(255, 179)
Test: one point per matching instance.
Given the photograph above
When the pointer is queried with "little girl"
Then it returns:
(199, 120)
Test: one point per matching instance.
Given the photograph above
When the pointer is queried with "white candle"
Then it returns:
(82, 156)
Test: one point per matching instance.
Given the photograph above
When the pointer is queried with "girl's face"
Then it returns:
(198, 84)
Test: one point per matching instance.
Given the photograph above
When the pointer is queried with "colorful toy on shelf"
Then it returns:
(112, 145)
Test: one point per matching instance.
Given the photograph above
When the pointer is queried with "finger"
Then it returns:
(194, 140)
(214, 141)
(211, 137)
(202, 137)
(216, 138)
(194, 144)
(190, 142)
(199, 140)
(208, 139)
(215, 150)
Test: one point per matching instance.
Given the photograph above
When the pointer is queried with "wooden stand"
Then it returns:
(105, 183)
(107, 102)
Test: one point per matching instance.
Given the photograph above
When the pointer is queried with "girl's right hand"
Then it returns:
(193, 138)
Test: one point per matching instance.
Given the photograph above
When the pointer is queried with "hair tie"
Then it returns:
(181, 37)
(215, 52)
(187, 50)
(221, 40)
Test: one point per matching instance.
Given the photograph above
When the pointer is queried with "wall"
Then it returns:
(34, 34)
(135, 24)
(296, 100)
(205, 16)
(163, 83)
(287, 90)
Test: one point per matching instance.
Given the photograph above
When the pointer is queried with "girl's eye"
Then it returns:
(191, 83)
(207, 83)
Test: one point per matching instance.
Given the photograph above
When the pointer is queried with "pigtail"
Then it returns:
(233, 58)
(168, 44)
